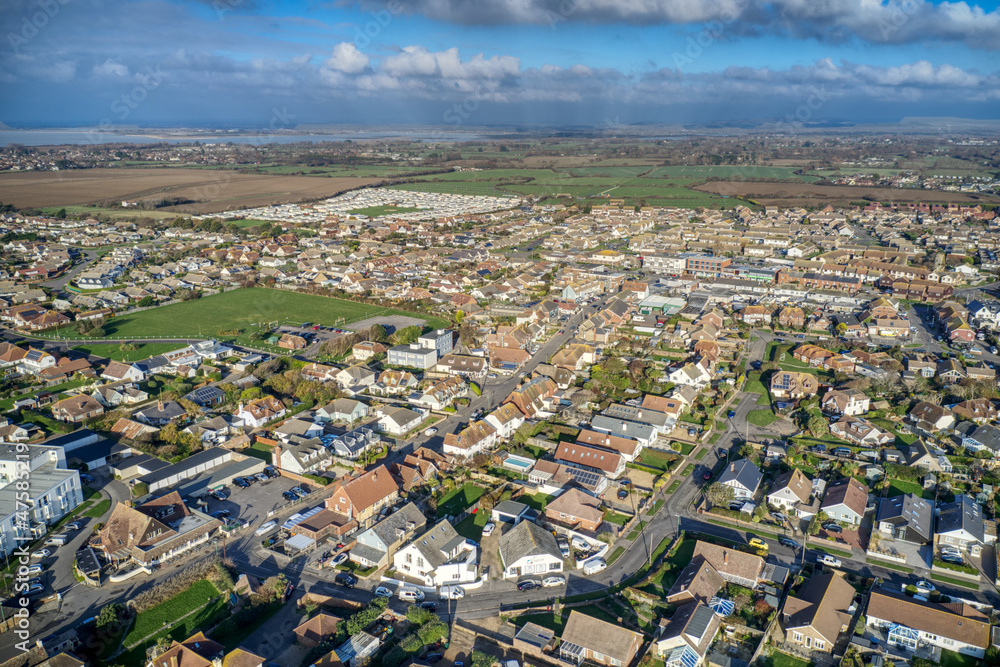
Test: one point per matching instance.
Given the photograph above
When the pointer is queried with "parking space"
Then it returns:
(258, 500)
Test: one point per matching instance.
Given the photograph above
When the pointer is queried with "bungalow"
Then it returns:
(260, 411)
(393, 382)
(815, 617)
(979, 438)
(587, 639)
(685, 638)
(743, 477)
(596, 459)
(576, 510)
(910, 623)
(399, 421)
(355, 378)
(344, 410)
(860, 432)
(529, 549)
(960, 524)
(117, 371)
(77, 408)
(846, 501)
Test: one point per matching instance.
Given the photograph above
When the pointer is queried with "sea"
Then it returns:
(95, 136)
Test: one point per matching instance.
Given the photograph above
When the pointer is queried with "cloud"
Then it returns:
(110, 68)
(417, 61)
(348, 59)
(875, 21)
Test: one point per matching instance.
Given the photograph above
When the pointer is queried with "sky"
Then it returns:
(602, 64)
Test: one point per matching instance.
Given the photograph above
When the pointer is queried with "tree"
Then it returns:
(407, 335)
(719, 494)
(818, 426)
(110, 614)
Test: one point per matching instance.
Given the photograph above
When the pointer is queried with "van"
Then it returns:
(266, 528)
(411, 595)
(56, 541)
(580, 544)
(594, 565)
(452, 593)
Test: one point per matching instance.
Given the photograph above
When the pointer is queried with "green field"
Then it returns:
(111, 351)
(761, 417)
(375, 211)
(471, 527)
(245, 310)
(129, 213)
(166, 613)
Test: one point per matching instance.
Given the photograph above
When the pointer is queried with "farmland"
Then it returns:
(209, 190)
(242, 310)
(803, 194)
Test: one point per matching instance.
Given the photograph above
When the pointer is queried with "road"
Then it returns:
(60, 283)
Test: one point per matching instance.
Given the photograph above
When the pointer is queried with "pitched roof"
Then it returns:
(698, 580)
(795, 481)
(319, 627)
(600, 636)
(727, 560)
(369, 488)
(849, 492)
(958, 622)
(822, 604)
(527, 539)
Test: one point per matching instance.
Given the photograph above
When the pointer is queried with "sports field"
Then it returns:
(234, 315)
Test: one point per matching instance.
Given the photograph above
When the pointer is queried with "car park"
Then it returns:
(346, 580)
(488, 529)
(383, 592)
(272, 472)
(298, 491)
(261, 477)
(528, 585)
(553, 582)
(241, 482)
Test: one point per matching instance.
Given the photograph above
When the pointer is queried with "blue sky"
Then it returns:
(254, 63)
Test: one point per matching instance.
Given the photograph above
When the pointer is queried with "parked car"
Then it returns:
(34, 589)
(832, 527)
(827, 559)
(552, 582)
(736, 505)
(788, 542)
(220, 514)
(298, 491)
(452, 592)
(266, 528)
(41, 553)
(594, 565)
(707, 476)
(261, 477)
(272, 472)
(346, 580)
(221, 494)
(33, 569)
(758, 543)
(288, 495)
(924, 587)
(778, 516)
(488, 529)
(954, 559)
(433, 658)
(732, 413)
(429, 606)
(73, 525)
(383, 592)
(430, 431)
(411, 595)
(341, 558)
(241, 482)
(528, 585)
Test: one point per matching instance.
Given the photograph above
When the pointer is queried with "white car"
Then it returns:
(488, 529)
(925, 587)
(553, 582)
(827, 559)
(341, 558)
(430, 431)
(452, 593)
(41, 553)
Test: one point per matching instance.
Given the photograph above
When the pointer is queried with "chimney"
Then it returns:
(173, 660)
(732, 467)
(725, 557)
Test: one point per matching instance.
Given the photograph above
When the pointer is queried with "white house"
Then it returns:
(440, 556)
(397, 421)
(529, 549)
(790, 489)
(909, 623)
(506, 420)
(743, 477)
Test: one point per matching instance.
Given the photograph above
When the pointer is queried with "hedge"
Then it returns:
(967, 569)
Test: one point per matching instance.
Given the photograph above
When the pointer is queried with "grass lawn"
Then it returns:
(111, 351)
(700, 455)
(761, 417)
(615, 555)
(955, 582)
(889, 566)
(616, 518)
(654, 458)
(556, 623)
(167, 612)
(459, 499)
(259, 451)
(687, 470)
(234, 640)
(655, 507)
(779, 659)
(673, 486)
(715, 437)
(471, 527)
(955, 659)
(201, 620)
(661, 580)
(635, 531)
(98, 510)
(8, 403)
(898, 487)
(375, 211)
(687, 448)
(245, 310)
(536, 501)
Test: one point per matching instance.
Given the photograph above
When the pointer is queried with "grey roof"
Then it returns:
(527, 539)
(511, 507)
(535, 635)
(204, 460)
(909, 509)
(700, 620)
(438, 543)
(744, 472)
(170, 410)
(622, 427)
(393, 528)
(986, 435)
(639, 415)
(963, 514)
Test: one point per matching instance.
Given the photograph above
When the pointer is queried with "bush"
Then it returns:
(175, 585)
(967, 569)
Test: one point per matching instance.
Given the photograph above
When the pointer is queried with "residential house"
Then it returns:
(577, 510)
(375, 547)
(910, 623)
(463, 365)
(685, 638)
(393, 382)
(529, 549)
(506, 419)
(978, 410)
(343, 410)
(979, 438)
(861, 432)
(846, 501)
(596, 459)
(848, 402)
(413, 355)
(160, 414)
(77, 408)
(117, 371)
(960, 524)
(908, 518)
(442, 393)
(314, 631)
(815, 617)
(362, 498)
(591, 640)
(532, 398)
(743, 477)
(399, 421)
(477, 437)
(791, 491)
(260, 411)
(792, 385)
(365, 350)
(930, 417)
(303, 456)
(438, 557)
(355, 378)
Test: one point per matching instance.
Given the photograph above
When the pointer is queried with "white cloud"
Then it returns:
(417, 61)
(348, 59)
(110, 68)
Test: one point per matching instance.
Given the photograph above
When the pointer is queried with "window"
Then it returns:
(797, 636)
(819, 645)
(554, 566)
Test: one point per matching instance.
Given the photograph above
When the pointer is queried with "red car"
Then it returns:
(707, 476)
